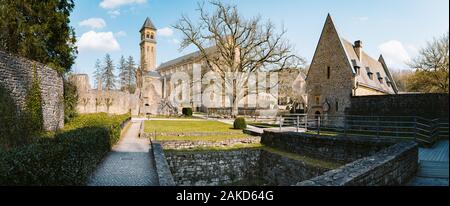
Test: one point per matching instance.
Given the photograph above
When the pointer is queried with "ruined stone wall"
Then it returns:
(422, 105)
(394, 166)
(328, 148)
(95, 101)
(16, 75)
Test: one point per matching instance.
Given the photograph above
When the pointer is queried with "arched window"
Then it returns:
(337, 105)
(317, 98)
(152, 36)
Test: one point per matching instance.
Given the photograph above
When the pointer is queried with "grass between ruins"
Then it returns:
(179, 130)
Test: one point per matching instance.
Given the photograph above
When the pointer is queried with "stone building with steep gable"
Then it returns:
(341, 70)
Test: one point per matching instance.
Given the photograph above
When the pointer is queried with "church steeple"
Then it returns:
(148, 24)
(148, 45)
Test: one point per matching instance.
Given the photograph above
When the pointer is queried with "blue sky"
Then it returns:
(395, 28)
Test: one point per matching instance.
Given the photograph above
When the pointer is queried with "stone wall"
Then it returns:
(395, 165)
(328, 148)
(422, 105)
(244, 167)
(97, 100)
(212, 168)
(279, 170)
(338, 88)
(165, 177)
(16, 75)
(180, 145)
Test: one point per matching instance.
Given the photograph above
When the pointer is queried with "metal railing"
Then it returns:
(400, 127)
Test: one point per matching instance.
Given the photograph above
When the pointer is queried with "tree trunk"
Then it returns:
(234, 107)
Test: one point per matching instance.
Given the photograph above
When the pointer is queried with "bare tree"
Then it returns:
(432, 66)
(108, 102)
(233, 45)
(84, 101)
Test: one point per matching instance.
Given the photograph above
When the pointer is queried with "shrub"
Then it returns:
(67, 159)
(70, 101)
(9, 131)
(33, 106)
(18, 127)
(187, 112)
(239, 123)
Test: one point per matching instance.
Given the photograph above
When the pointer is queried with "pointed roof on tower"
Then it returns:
(148, 24)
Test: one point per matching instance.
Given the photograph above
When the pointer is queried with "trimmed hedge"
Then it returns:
(239, 123)
(67, 159)
(187, 112)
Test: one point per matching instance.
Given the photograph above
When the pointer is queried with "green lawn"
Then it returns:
(262, 125)
(172, 117)
(186, 127)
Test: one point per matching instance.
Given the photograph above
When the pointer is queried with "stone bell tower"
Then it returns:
(148, 45)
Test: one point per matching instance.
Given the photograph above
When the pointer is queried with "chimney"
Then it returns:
(358, 49)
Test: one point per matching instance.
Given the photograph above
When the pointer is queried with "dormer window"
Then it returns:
(356, 66)
(379, 77)
(369, 73)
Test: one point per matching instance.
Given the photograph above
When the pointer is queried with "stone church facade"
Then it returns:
(341, 70)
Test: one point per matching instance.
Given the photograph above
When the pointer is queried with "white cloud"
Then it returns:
(121, 34)
(112, 4)
(166, 32)
(93, 23)
(113, 14)
(395, 54)
(363, 18)
(98, 41)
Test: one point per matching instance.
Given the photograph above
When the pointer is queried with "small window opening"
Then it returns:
(328, 72)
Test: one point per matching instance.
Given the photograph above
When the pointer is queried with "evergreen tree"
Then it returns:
(39, 30)
(98, 74)
(124, 74)
(131, 68)
(109, 79)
